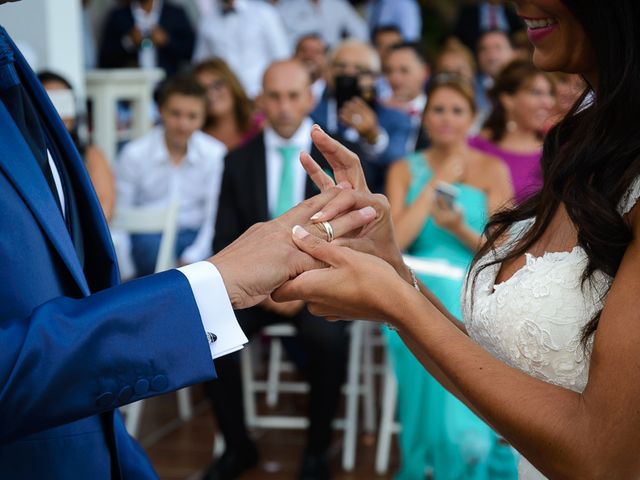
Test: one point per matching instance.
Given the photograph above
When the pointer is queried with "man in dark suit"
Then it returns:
(76, 345)
(147, 33)
(382, 133)
(474, 20)
(262, 179)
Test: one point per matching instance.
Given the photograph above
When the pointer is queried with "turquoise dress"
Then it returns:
(439, 434)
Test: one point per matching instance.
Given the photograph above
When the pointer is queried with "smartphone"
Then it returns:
(447, 193)
(348, 87)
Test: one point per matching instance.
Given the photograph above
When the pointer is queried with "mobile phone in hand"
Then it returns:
(447, 193)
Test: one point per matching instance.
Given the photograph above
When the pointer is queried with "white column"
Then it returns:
(52, 30)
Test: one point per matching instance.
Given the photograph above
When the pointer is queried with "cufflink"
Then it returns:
(212, 337)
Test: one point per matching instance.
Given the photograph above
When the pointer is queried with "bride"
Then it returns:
(549, 352)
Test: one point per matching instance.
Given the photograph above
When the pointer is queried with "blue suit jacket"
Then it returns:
(73, 344)
(397, 124)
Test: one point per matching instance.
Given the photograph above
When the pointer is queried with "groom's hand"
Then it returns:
(264, 257)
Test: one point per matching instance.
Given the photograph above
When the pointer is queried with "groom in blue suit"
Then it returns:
(75, 345)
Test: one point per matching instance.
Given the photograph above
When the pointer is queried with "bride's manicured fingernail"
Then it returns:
(317, 216)
(368, 212)
(300, 232)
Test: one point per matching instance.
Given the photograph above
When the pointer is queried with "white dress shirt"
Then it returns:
(302, 141)
(146, 177)
(331, 19)
(249, 39)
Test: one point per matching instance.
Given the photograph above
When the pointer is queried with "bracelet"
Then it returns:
(416, 285)
(414, 279)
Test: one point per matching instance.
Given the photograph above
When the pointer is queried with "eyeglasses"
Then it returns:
(360, 70)
(216, 85)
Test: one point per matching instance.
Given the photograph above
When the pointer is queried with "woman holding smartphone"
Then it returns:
(440, 201)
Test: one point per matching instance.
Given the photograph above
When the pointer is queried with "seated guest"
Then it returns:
(350, 109)
(569, 87)
(439, 434)
(311, 50)
(263, 179)
(147, 34)
(474, 20)
(334, 20)
(494, 53)
(407, 72)
(174, 162)
(454, 57)
(523, 98)
(64, 100)
(230, 115)
(247, 34)
(384, 37)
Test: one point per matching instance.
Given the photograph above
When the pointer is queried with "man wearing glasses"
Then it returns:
(350, 109)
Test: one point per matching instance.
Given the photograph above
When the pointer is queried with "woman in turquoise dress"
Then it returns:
(440, 436)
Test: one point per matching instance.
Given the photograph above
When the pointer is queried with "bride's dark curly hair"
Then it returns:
(590, 158)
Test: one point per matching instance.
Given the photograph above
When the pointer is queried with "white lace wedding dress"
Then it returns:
(533, 320)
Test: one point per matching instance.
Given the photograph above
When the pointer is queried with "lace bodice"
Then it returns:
(533, 321)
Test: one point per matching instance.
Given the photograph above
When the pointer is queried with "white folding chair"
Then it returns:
(163, 221)
(359, 384)
(388, 424)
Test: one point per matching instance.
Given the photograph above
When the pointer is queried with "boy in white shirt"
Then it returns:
(174, 162)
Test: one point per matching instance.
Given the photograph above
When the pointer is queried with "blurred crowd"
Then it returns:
(451, 137)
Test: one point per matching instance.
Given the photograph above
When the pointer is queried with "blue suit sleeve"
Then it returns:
(398, 127)
(73, 358)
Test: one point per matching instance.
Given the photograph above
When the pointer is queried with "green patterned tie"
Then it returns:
(286, 199)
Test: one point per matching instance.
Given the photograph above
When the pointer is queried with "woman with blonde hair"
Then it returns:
(440, 200)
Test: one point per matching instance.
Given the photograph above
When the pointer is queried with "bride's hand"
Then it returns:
(378, 237)
(354, 285)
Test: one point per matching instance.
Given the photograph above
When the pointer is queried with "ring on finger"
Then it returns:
(328, 230)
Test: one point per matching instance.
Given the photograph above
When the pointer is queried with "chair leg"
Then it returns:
(185, 407)
(133, 416)
(389, 399)
(248, 386)
(273, 377)
(218, 445)
(368, 374)
(353, 397)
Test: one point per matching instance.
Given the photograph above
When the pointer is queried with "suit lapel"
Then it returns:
(97, 236)
(260, 180)
(22, 169)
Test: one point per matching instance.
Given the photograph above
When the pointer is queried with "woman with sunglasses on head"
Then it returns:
(522, 100)
(64, 100)
(548, 350)
(231, 118)
(440, 201)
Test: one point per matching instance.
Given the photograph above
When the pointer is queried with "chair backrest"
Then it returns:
(439, 268)
(152, 220)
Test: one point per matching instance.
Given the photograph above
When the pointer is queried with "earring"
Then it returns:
(512, 126)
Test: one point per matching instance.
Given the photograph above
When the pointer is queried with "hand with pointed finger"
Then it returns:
(354, 285)
(265, 257)
(378, 237)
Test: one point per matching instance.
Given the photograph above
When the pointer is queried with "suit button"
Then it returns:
(105, 400)
(125, 394)
(159, 383)
(142, 386)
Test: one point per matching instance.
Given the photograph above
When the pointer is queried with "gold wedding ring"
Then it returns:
(328, 230)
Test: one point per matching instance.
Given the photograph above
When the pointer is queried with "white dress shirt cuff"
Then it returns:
(220, 325)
